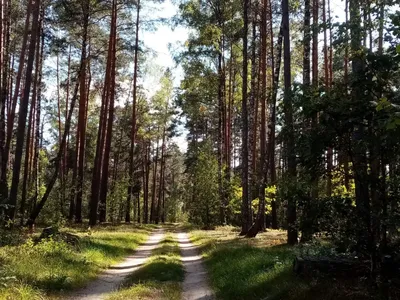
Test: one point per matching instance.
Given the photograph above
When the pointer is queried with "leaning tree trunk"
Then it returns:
(57, 162)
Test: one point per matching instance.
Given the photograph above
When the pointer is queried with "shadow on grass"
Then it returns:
(241, 271)
(109, 227)
(160, 269)
(109, 250)
(63, 272)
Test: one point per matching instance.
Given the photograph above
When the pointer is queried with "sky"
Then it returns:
(158, 41)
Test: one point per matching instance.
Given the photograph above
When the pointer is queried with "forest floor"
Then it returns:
(111, 263)
(176, 262)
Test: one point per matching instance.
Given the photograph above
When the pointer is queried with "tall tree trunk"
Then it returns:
(160, 187)
(101, 135)
(5, 78)
(261, 178)
(145, 168)
(344, 154)
(306, 233)
(82, 114)
(65, 158)
(253, 110)
(57, 162)
(359, 156)
(13, 105)
(133, 130)
(329, 153)
(107, 148)
(154, 186)
(271, 134)
(23, 110)
(246, 219)
(28, 136)
(221, 75)
(37, 135)
(288, 110)
(62, 200)
(315, 84)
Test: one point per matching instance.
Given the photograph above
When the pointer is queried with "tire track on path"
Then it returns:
(112, 278)
(195, 286)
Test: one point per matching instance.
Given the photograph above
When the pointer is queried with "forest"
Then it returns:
(265, 146)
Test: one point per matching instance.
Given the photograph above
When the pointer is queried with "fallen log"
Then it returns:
(333, 266)
(56, 235)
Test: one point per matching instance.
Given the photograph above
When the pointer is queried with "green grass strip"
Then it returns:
(261, 268)
(160, 278)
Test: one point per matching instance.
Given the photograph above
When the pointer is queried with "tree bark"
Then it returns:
(107, 149)
(288, 110)
(246, 220)
(11, 115)
(28, 136)
(82, 114)
(23, 110)
(154, 186)
(359, 156)
(133, 130)
(37, 209)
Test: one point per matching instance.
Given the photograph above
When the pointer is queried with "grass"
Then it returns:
(37, 271)
(160, 278)
(261, 268)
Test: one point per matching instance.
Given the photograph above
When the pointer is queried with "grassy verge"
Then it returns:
(261, 268)
(160, 278)
(35, 271)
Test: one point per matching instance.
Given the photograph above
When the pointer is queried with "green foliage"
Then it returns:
(204, 208)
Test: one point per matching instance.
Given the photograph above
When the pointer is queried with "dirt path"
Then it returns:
(110, 280)
(195, 285)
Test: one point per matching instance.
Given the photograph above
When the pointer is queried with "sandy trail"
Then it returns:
(195, 285)
(111, 279)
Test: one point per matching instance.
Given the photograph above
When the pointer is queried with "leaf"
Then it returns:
(391, 125)
(398, 48)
